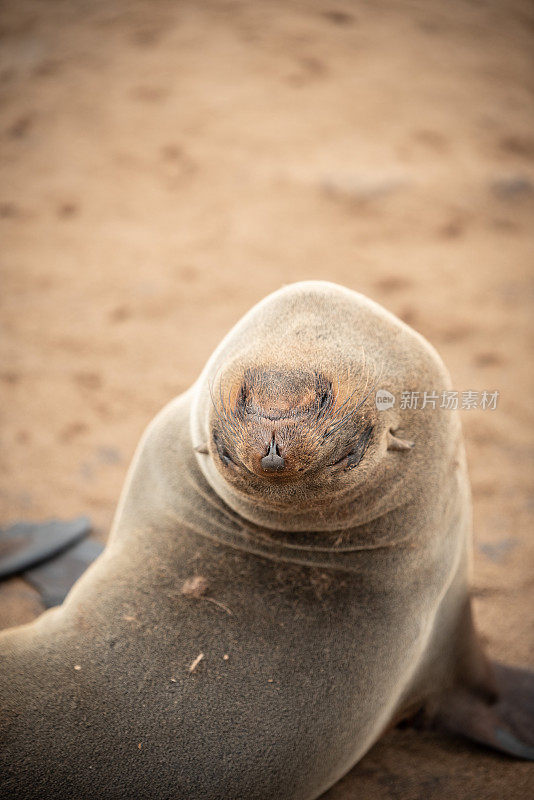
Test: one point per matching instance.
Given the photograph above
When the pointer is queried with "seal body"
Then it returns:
(287, 576)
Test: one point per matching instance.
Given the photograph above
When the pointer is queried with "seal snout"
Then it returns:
(273, 461)
(271, 423)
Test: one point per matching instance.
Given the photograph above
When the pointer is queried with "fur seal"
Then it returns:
(286, 577)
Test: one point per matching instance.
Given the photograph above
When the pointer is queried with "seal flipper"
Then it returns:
(55, 578)
(26, 544)
(504, 722)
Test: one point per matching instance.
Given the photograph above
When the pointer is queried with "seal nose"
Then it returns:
(273, 461)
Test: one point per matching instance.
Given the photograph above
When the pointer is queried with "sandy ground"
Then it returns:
(166, 164)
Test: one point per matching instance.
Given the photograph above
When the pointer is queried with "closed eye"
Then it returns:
(224, 455)
(353, 458)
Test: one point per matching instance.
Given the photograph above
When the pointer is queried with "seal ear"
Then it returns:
(504, 723)
(394, 443)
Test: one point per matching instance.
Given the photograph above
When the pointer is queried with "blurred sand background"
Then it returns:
(167, 164)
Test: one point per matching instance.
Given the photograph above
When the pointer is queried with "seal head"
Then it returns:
(293, 425)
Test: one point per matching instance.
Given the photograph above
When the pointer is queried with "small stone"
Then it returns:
(512, 186)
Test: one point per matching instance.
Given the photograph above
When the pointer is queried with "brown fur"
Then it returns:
(251, 632)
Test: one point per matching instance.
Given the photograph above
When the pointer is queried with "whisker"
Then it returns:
(340, 422)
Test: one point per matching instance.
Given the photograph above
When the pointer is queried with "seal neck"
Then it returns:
(204, 510)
